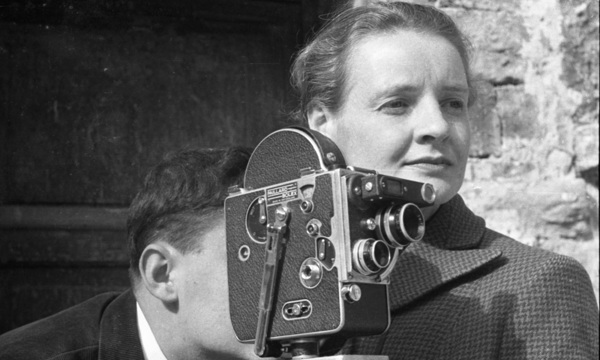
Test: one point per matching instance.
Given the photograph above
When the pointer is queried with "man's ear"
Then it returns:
(320, 119)
(156, 269)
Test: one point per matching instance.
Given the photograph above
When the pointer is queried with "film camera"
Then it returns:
(311, 242)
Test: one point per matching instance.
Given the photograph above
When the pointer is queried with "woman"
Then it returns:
(391, 85)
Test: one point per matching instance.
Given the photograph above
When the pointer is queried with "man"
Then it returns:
(178, 305)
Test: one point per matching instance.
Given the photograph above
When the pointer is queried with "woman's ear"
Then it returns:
(321, 119)
(156, 269)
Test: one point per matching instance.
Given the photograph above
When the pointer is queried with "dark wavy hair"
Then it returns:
(181, 198)
(319, 72)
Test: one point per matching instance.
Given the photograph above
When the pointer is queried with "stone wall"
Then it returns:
(533, 172)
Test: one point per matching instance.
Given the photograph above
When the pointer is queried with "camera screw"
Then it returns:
(312, 228)
(310, 273)
(331, 157)
(352, 292)
(244, 253)
(369, 224)
(296, 310)
(369, 186)
(281, 213)
(306, 206)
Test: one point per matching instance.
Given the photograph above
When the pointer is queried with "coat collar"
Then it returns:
(119, 336)
(448, 251)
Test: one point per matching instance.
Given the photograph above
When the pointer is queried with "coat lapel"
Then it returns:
(448, 251)
(119, 336)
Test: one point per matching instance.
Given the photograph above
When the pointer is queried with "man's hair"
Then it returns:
(319, 72)
(180, 198)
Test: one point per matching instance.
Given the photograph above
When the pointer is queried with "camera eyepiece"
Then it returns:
(400, 225)
(371, 256)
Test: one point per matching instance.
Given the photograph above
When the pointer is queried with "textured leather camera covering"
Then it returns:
(244, 281)
(281, 155)
(276, 164)
(244, 289)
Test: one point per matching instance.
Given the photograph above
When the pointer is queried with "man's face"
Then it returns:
(405, 110)
(203, 299)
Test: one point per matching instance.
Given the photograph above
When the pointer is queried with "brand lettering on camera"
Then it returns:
(282, 193)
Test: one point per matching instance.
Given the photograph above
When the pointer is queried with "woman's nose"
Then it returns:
(431, 126)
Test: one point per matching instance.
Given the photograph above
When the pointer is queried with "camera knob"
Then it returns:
(306, 206)
(313, 227)
(351, 292)
(311, 273)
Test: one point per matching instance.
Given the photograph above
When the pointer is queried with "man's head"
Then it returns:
(180, 198)
(178, 253)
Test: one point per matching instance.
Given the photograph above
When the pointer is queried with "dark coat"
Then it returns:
(464, 292)
(103, 328)
(467, 292)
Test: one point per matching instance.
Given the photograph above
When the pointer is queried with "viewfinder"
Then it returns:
(391, 187)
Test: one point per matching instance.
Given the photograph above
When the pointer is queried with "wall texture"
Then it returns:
(86, 111)
(533, 172)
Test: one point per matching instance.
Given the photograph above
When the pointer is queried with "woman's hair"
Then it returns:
(319, 72)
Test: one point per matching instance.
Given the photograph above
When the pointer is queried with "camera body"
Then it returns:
(345, 231)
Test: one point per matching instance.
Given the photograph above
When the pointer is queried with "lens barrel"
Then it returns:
(399, 225)
(371, 256)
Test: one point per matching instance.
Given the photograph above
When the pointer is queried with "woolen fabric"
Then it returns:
(101, 328)
(463, 292)
(467, 292)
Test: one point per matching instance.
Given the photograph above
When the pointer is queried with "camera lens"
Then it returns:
(370, 256)
(400, 225)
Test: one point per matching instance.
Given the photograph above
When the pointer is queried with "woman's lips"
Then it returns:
(429, 164)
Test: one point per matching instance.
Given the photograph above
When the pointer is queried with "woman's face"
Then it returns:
(405, 110)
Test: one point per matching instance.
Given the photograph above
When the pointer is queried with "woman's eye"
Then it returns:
(455, 105)
(397, 104)
(394, 106)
